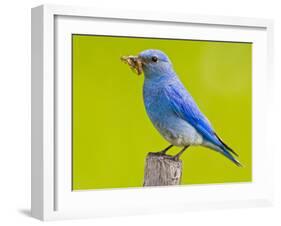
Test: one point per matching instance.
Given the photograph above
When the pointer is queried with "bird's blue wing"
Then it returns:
(184, 107)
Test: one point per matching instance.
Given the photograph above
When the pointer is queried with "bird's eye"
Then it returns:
(154, 59)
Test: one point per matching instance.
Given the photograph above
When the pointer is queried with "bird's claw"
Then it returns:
(160, 153)
(175, 158)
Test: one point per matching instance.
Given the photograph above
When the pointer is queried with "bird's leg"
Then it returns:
(163, 152)
(177, 156)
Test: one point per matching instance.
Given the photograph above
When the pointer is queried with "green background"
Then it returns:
(112, 133)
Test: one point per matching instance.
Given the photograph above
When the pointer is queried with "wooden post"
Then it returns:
(161, 170)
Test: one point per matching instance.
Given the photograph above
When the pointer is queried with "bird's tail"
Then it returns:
(228, 155)
(228, 152)
(224, 149)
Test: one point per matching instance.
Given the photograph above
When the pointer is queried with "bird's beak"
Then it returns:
(135, 63)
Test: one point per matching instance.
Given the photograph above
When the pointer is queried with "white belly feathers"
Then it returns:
(179, 133)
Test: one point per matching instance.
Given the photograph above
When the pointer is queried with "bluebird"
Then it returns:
(172, 109)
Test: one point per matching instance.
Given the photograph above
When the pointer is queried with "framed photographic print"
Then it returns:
(137, 112)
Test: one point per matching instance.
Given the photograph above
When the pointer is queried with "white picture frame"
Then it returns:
(52, 197)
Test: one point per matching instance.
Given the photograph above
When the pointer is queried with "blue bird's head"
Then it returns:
(153, 63)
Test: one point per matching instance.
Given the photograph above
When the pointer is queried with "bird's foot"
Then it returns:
(160, 153)
(163, 152)
(177, 156)
(174, 157)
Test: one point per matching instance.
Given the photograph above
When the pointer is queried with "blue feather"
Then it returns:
(184, 106)
(170, 106)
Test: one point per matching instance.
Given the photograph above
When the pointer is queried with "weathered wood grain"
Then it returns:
(161, 170)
